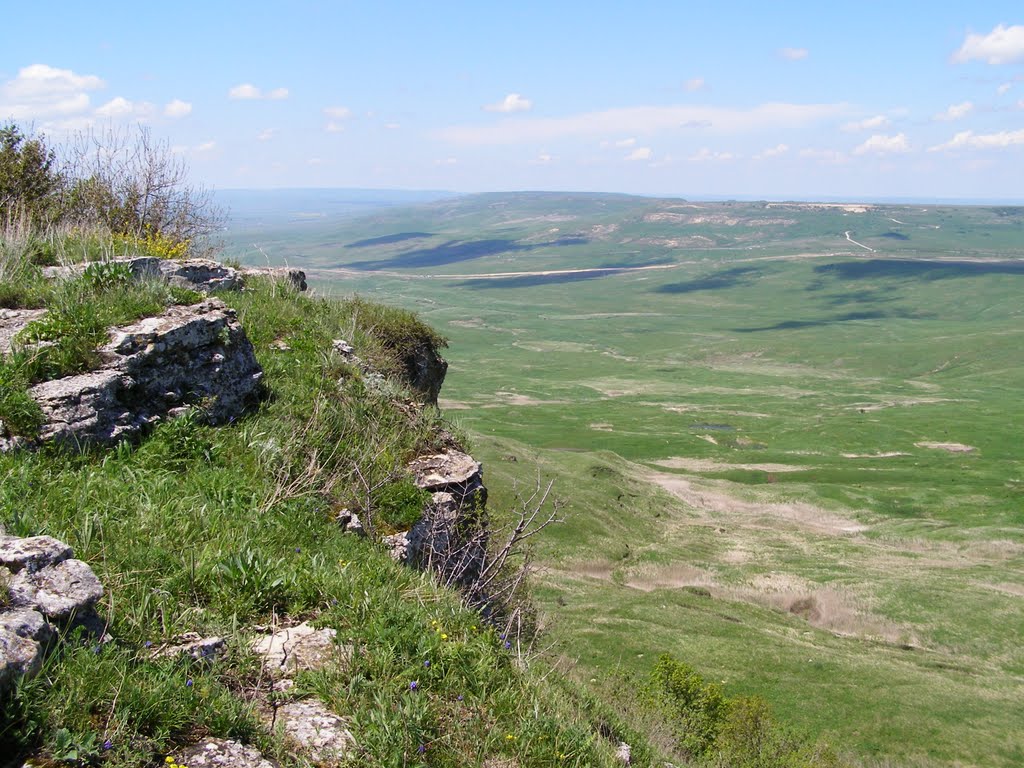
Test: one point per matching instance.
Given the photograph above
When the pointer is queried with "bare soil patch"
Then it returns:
(717, 499)
(709, 465)
(950, 447)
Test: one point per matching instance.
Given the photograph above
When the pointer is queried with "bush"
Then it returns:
(31, 179)
(697, 707)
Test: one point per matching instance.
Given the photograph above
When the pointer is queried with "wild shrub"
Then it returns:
(398, 505)
(698, 708)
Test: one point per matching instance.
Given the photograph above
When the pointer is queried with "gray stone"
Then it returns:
(221, 753)
(12, 321)
(153, 369)
(32, 553)
(191, 645)
(451, 472)
(292, 649)
(350, 522)
(295, 278)
(315, 730)
(24, 637)
(59, 591)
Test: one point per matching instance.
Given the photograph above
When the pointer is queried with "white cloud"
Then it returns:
(542, 159)
(1000, 46)
(971, 140)
(338, 113)
(706, 155)
(880, 144)
(642, 120)
(392, 126)
(514, 102)
(624, 143)
(694, 84)
(249, 92)
(447, 161)
(120, 107)
(177, 108)
(831, 156)
(266, 134)
(334, 127)
(868, 124)
(207, 146)
(1002, 89)
(955, 112)
(776, 151)
(794, 54)
(43, 91)
(640, 153)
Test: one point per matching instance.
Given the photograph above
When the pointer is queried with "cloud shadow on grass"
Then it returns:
(398, 237)
(455, 251)
(728, 278)
(791, 325)
(914, 268)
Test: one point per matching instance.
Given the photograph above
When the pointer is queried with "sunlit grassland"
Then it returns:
(788, 460)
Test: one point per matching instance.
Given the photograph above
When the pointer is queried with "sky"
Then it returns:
(865, 100)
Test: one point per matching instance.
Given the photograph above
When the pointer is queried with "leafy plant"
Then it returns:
(400, 504)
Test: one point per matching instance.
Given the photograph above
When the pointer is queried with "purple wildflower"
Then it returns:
(459, 697)
(507, 645)
(414, 685)
(426, 663)
(148, 644)
(108, 744)
(422, 748)
(188, 683)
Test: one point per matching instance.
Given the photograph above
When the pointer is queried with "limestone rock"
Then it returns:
(32, 553)
(191, 645)
(222, 753)
(59, 592)
(624, 753)
(25, 636)
(296, 278)
(425, 370)
(151, 369)
(451, 472)
(315, 729)
(451, 536)
(41, 586)
(292, 649)
(12, 321)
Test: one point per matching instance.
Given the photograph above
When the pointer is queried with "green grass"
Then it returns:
(802, 387)
(213, 530)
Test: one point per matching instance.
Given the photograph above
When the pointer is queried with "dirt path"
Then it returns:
(866, 248)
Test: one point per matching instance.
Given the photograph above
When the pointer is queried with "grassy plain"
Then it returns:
(787, 438)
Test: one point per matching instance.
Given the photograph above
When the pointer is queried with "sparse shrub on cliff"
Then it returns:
(31, 179)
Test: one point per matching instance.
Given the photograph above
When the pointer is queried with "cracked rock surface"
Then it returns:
(45, 590)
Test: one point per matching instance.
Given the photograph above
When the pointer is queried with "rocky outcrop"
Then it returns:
(198, 274)
(451, 536)
(293, 649)
(189, 356)
(43, 590)
(423, 370)
(221, 753)
(12, 321)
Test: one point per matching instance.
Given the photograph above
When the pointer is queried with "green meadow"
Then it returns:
(786, 439)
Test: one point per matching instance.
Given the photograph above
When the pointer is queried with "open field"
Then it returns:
(787, 455)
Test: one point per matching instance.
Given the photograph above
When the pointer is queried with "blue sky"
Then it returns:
(785, 100)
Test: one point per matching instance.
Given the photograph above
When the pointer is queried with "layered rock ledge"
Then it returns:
(189, 356)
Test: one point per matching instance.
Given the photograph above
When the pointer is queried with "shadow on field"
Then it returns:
(398, 237)
(789, 325)
(926, 270)
(455, 251)
(727, 278)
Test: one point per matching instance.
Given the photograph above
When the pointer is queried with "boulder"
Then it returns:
(190, 355)
(25, 635)
(315, 730)
(12, 321)
(293, 649)
(43, 589)
(221, 753)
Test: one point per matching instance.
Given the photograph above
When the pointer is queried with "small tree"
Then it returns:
(31, 179)
(133, 185)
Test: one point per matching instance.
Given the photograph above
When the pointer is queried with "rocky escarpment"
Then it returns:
(43, 591)
(451, 536)
(158, 367)
(197, 274)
